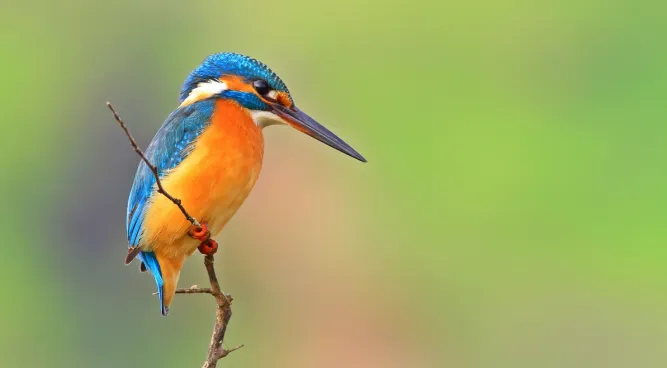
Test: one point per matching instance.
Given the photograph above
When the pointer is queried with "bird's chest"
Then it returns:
(214, 179)
(229, 168)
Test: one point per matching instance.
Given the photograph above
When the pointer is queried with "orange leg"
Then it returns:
(208, 246)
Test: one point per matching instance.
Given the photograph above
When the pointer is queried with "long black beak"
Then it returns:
(304, 123)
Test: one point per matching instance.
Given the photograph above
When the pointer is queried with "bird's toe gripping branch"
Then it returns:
(208, 246)
(201, 233)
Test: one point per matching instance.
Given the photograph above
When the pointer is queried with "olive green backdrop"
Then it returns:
(512, 213)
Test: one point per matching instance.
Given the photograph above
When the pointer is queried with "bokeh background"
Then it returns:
(512, 213)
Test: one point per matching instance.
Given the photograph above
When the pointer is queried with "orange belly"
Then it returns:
(212, 182)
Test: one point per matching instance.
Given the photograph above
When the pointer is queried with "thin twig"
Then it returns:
(222, 316)
(224, 302)
(194, 289)
(226, 352)
(153, 168)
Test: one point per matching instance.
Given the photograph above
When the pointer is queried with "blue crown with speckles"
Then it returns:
(217, 65)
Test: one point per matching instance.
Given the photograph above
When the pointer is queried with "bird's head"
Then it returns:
(259, 90)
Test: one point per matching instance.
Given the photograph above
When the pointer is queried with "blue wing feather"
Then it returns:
(151, 263)
(171, 145)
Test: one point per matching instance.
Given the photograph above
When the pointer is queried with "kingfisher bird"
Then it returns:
(208, 153)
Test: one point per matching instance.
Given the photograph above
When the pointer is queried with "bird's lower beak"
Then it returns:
(304, 123)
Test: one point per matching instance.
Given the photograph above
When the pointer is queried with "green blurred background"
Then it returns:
(512, 213)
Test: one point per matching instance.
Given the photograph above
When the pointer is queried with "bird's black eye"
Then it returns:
(261, 87)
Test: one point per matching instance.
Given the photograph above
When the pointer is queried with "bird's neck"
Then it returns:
(235, 132)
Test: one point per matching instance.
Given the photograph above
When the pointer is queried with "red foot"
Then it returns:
(201, 233)
(208, 247)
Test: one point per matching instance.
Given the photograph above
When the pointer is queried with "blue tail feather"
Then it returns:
(149, 259)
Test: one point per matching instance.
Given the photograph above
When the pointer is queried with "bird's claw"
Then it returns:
(208, 247)
(201, 233)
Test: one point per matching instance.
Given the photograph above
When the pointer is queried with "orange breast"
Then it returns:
(213, 181)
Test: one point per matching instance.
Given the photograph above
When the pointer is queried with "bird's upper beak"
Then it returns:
(304, 123)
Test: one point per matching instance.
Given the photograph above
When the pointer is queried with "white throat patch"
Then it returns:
(204, 90)
(265, 118)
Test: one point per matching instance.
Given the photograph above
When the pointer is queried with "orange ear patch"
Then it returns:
(236, 83)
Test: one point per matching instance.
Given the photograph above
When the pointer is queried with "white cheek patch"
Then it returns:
(204, 90)
(265, 118)
(273, 94)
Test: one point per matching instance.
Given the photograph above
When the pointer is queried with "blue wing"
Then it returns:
(171, 145)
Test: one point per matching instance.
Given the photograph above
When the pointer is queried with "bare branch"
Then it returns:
(194, 289)
(222, 316)
(224, 302)
(227, 351)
